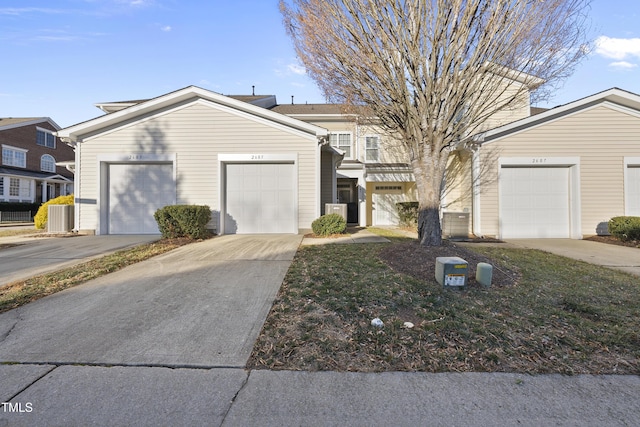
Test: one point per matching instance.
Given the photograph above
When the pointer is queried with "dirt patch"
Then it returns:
(610, 240)
(419, 261)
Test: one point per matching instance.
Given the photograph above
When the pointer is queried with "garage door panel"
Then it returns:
(534, 202)
(260, 198)
(136, 191)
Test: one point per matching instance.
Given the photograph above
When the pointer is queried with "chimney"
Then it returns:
(253, 90)
(291, 99)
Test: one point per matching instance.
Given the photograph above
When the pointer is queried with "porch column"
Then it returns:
(44, 191)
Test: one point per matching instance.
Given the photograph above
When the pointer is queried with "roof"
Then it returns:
(309, 109)
(614, 95)
(187, 94)
(33, 174)
(265, 101)
(15, 122)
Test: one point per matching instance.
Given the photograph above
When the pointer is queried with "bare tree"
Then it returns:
(431, 72)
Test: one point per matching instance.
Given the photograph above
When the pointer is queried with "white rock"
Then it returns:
(408, 325)
(377, 323)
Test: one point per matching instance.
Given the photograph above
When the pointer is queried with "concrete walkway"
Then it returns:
(611, 256)
(354, 235)
(164, 342)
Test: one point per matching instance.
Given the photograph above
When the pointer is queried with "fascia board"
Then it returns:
(31, 122)
(166, 101)
(614, 98)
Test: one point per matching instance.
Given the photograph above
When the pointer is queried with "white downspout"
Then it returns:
(475, 193)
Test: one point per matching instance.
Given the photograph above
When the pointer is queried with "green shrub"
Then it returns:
(42, 216)
(329, 224)
(408, 213)
(19, 207)
(625, 227)
(183, 221)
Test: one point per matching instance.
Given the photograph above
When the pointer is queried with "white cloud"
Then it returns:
(623, 65)
(619, 49)
(16, 11)
(166, 28)
(296, 69)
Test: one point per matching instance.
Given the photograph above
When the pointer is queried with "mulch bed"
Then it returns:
(419, 262)
(614, 241)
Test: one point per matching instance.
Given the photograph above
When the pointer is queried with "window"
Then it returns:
(12, 156)
(19, 188)
(47, 163)
(372, 149)
(342, 141)
(45, 138)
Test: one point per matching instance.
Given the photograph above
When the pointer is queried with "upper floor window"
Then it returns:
(45, 138)
(372, 149)
(12, 156)
(47, 163)
(342, 141)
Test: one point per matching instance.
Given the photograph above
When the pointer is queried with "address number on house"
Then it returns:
(539, 161)
(257, 157)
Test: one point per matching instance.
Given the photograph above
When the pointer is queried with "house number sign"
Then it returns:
(539, 161)
(257, 157)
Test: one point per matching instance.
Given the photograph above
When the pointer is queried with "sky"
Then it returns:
(58, 58)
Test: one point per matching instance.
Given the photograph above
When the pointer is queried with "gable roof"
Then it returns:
(16, 122)
(614, 95)
(189, 93)
(265, 101)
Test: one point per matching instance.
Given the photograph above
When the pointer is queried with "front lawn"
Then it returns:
(544, 314)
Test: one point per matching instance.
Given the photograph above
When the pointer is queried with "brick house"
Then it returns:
(36, 166)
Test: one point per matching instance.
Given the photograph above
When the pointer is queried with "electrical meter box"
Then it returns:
(452, 272)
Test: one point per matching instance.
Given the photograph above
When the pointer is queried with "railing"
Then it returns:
(16, 216)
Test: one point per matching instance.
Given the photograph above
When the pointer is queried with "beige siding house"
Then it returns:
(562, 173)
(259, 171)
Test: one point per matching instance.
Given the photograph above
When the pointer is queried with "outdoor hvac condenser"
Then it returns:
(452, 272)
(60, 218)
(336, 208)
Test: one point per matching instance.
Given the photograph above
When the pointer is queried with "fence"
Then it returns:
(16, 217)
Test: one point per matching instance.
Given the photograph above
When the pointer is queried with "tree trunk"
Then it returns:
(429, 175)
(429, 229)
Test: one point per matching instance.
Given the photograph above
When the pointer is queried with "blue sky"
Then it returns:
(59, 58)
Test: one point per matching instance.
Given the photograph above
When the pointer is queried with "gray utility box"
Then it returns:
(455, 224)
(60, 218)
(452, 272)
(337, 208)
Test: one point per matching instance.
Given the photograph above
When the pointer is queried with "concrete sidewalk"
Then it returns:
(153, 396)
(354, 235)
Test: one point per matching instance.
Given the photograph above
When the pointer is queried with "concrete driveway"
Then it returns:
(23, 257)
(612, 256)
(201, 305)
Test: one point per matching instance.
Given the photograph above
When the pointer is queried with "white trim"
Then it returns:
(103, 162)
(613, 98)
(21, 150)
(31, 122)
(476, 222)
(227, 158)
(167, 101)
(629, 162)
(573, 163)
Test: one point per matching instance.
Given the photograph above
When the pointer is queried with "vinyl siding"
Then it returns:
(600, 136)
(196, 133)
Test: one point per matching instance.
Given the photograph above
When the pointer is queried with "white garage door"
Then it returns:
(384, 207)
(136, 191)
(633, 194)
(260, 198)
(534, 202)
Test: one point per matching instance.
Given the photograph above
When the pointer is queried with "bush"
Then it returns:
(19, 207)
(625, 227)
(183, 221)
(408, 213)
(42, 216)
(329, 224)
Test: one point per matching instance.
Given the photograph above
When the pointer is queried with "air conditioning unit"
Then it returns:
(337, 208)
(60, 218)
(455, 224)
